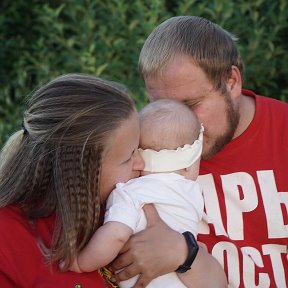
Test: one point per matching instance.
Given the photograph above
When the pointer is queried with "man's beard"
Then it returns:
(232, 116)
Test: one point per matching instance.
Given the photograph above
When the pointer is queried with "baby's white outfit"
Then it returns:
(178, 201)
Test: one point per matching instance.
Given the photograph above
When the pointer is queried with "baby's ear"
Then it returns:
(188, 169)
(191, 172)
(185, 171)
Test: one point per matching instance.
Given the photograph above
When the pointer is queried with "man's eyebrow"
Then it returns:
(187, 99)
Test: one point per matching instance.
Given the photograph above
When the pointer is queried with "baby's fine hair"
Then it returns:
(52, 165)
(210, 47)
(167, 124)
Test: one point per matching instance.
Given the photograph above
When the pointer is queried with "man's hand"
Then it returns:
(155, 251)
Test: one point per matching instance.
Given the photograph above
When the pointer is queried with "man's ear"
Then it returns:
(234, 84)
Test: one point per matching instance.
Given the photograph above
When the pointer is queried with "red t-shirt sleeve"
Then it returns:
(21, 261)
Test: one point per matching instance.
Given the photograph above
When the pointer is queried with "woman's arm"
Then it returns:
(149, 254)
(103, 247)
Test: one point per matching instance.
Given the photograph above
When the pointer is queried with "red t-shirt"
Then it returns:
(21, 261)
(245, 188)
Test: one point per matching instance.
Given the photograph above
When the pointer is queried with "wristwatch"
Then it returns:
(192, 252)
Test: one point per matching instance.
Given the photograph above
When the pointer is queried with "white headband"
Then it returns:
(172, 160)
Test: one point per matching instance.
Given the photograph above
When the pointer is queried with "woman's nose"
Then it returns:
(138, 163)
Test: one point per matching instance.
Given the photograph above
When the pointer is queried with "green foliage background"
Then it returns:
(43, 39)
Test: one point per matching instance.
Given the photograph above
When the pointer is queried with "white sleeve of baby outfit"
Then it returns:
(122, 208)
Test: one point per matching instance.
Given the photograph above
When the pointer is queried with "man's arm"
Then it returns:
(205, 272)
(159, 250)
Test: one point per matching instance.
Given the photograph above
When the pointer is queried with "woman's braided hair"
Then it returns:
(52, 167)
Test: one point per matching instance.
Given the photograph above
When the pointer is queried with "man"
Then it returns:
(244, 170)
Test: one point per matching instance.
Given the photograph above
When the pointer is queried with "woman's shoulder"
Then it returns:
(14, 229)
(11, 216)
(21, 261)
(16, 243)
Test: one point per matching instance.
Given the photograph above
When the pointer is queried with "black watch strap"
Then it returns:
(192, 252)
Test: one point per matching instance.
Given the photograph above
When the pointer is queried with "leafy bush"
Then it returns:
(43, 39)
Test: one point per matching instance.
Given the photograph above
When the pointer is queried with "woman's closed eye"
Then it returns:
(131, 157)
(127, 160)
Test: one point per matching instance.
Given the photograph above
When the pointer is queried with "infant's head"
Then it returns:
(168, 124)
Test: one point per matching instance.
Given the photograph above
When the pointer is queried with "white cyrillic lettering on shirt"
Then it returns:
(236, 206)
(225, 250)
(211, 206)
(272, 200)
(251, 258)
(275, 251)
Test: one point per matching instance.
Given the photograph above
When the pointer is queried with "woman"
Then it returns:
(80, 137)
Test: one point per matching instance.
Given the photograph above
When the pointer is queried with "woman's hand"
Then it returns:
(155, 251)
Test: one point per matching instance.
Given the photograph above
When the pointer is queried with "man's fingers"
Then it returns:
(129, 272)
(125, 274)
(142, 281)
(151, 214)
(119, 263)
